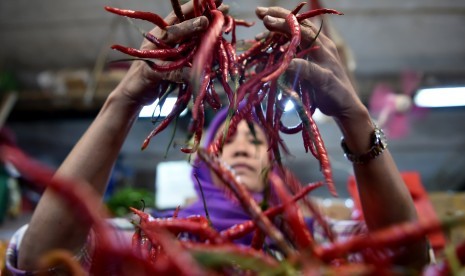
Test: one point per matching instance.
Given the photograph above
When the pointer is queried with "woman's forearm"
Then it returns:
(53, 225)
(385, 198)
(379, 181)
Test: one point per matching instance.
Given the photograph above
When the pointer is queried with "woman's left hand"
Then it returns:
(324, 72)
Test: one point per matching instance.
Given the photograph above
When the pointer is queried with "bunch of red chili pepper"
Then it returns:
(249, 79)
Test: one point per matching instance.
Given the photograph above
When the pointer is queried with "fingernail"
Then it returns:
(262, 10)
(270, 19)
(260, 36)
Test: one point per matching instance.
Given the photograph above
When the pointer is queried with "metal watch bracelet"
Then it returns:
(378, 145)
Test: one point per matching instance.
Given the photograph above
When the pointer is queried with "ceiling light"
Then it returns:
(440, 97)
(153, 110)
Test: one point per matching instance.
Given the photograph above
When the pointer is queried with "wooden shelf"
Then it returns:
(37, 105)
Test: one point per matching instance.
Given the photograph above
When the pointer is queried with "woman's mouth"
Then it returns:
(242, 167)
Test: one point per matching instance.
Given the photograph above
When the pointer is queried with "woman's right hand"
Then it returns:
(139, 84)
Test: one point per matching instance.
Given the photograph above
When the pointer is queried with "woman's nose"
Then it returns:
(240, 147)
(240, 152)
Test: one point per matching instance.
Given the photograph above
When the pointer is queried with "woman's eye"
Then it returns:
(256, 142)
(228, 140)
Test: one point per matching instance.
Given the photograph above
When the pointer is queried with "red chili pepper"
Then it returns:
(198, 8)
(313, 13)
(232, 59)
(298, 7)
(212, 98)
(228, 24)
(258, 239)
(240, 230)
(156, 41)
(203, 57)
(223, 60)
(305, 115)
(199, 99)
(157, 53)
(247, 87)
(294, 25)
(290, 130)
(180, 261)
(179, 106)
(181, 62)
(198, 131)
(247, 202)
(256, 48)
(241, 114)
(241, 22)
(177, 10)
(387, 238)
(227, 90)
(293, 215)
(195, 225)
(176, 211)
(324, 158)
(211, 4)
(274, 137)
(177, 226)
(147, 16)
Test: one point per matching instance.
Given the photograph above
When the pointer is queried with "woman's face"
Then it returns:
(247, 155)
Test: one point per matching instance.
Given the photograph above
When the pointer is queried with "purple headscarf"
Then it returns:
(223, 211)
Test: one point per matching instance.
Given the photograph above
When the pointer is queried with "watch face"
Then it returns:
(381, 138)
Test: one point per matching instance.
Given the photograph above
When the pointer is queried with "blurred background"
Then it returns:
(56, 71)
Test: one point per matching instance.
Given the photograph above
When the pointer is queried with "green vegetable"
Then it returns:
(119, 203)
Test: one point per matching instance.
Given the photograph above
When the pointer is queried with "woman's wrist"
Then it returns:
(138, 85)
(119, 102)
(357, 129)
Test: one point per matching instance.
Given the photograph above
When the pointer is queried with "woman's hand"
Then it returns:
(141, 81)
(322, 70)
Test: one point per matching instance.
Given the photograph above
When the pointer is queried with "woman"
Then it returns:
(91, 160)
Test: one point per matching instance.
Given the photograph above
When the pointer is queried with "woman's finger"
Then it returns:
(276, 24)
(188, 28)
(262, 35)
(261, 12)
(224, 9)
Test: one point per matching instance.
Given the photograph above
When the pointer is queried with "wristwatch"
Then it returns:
(378, 145)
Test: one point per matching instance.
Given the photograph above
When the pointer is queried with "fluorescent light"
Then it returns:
(440, 97)
(289, 106)
(154, 109)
